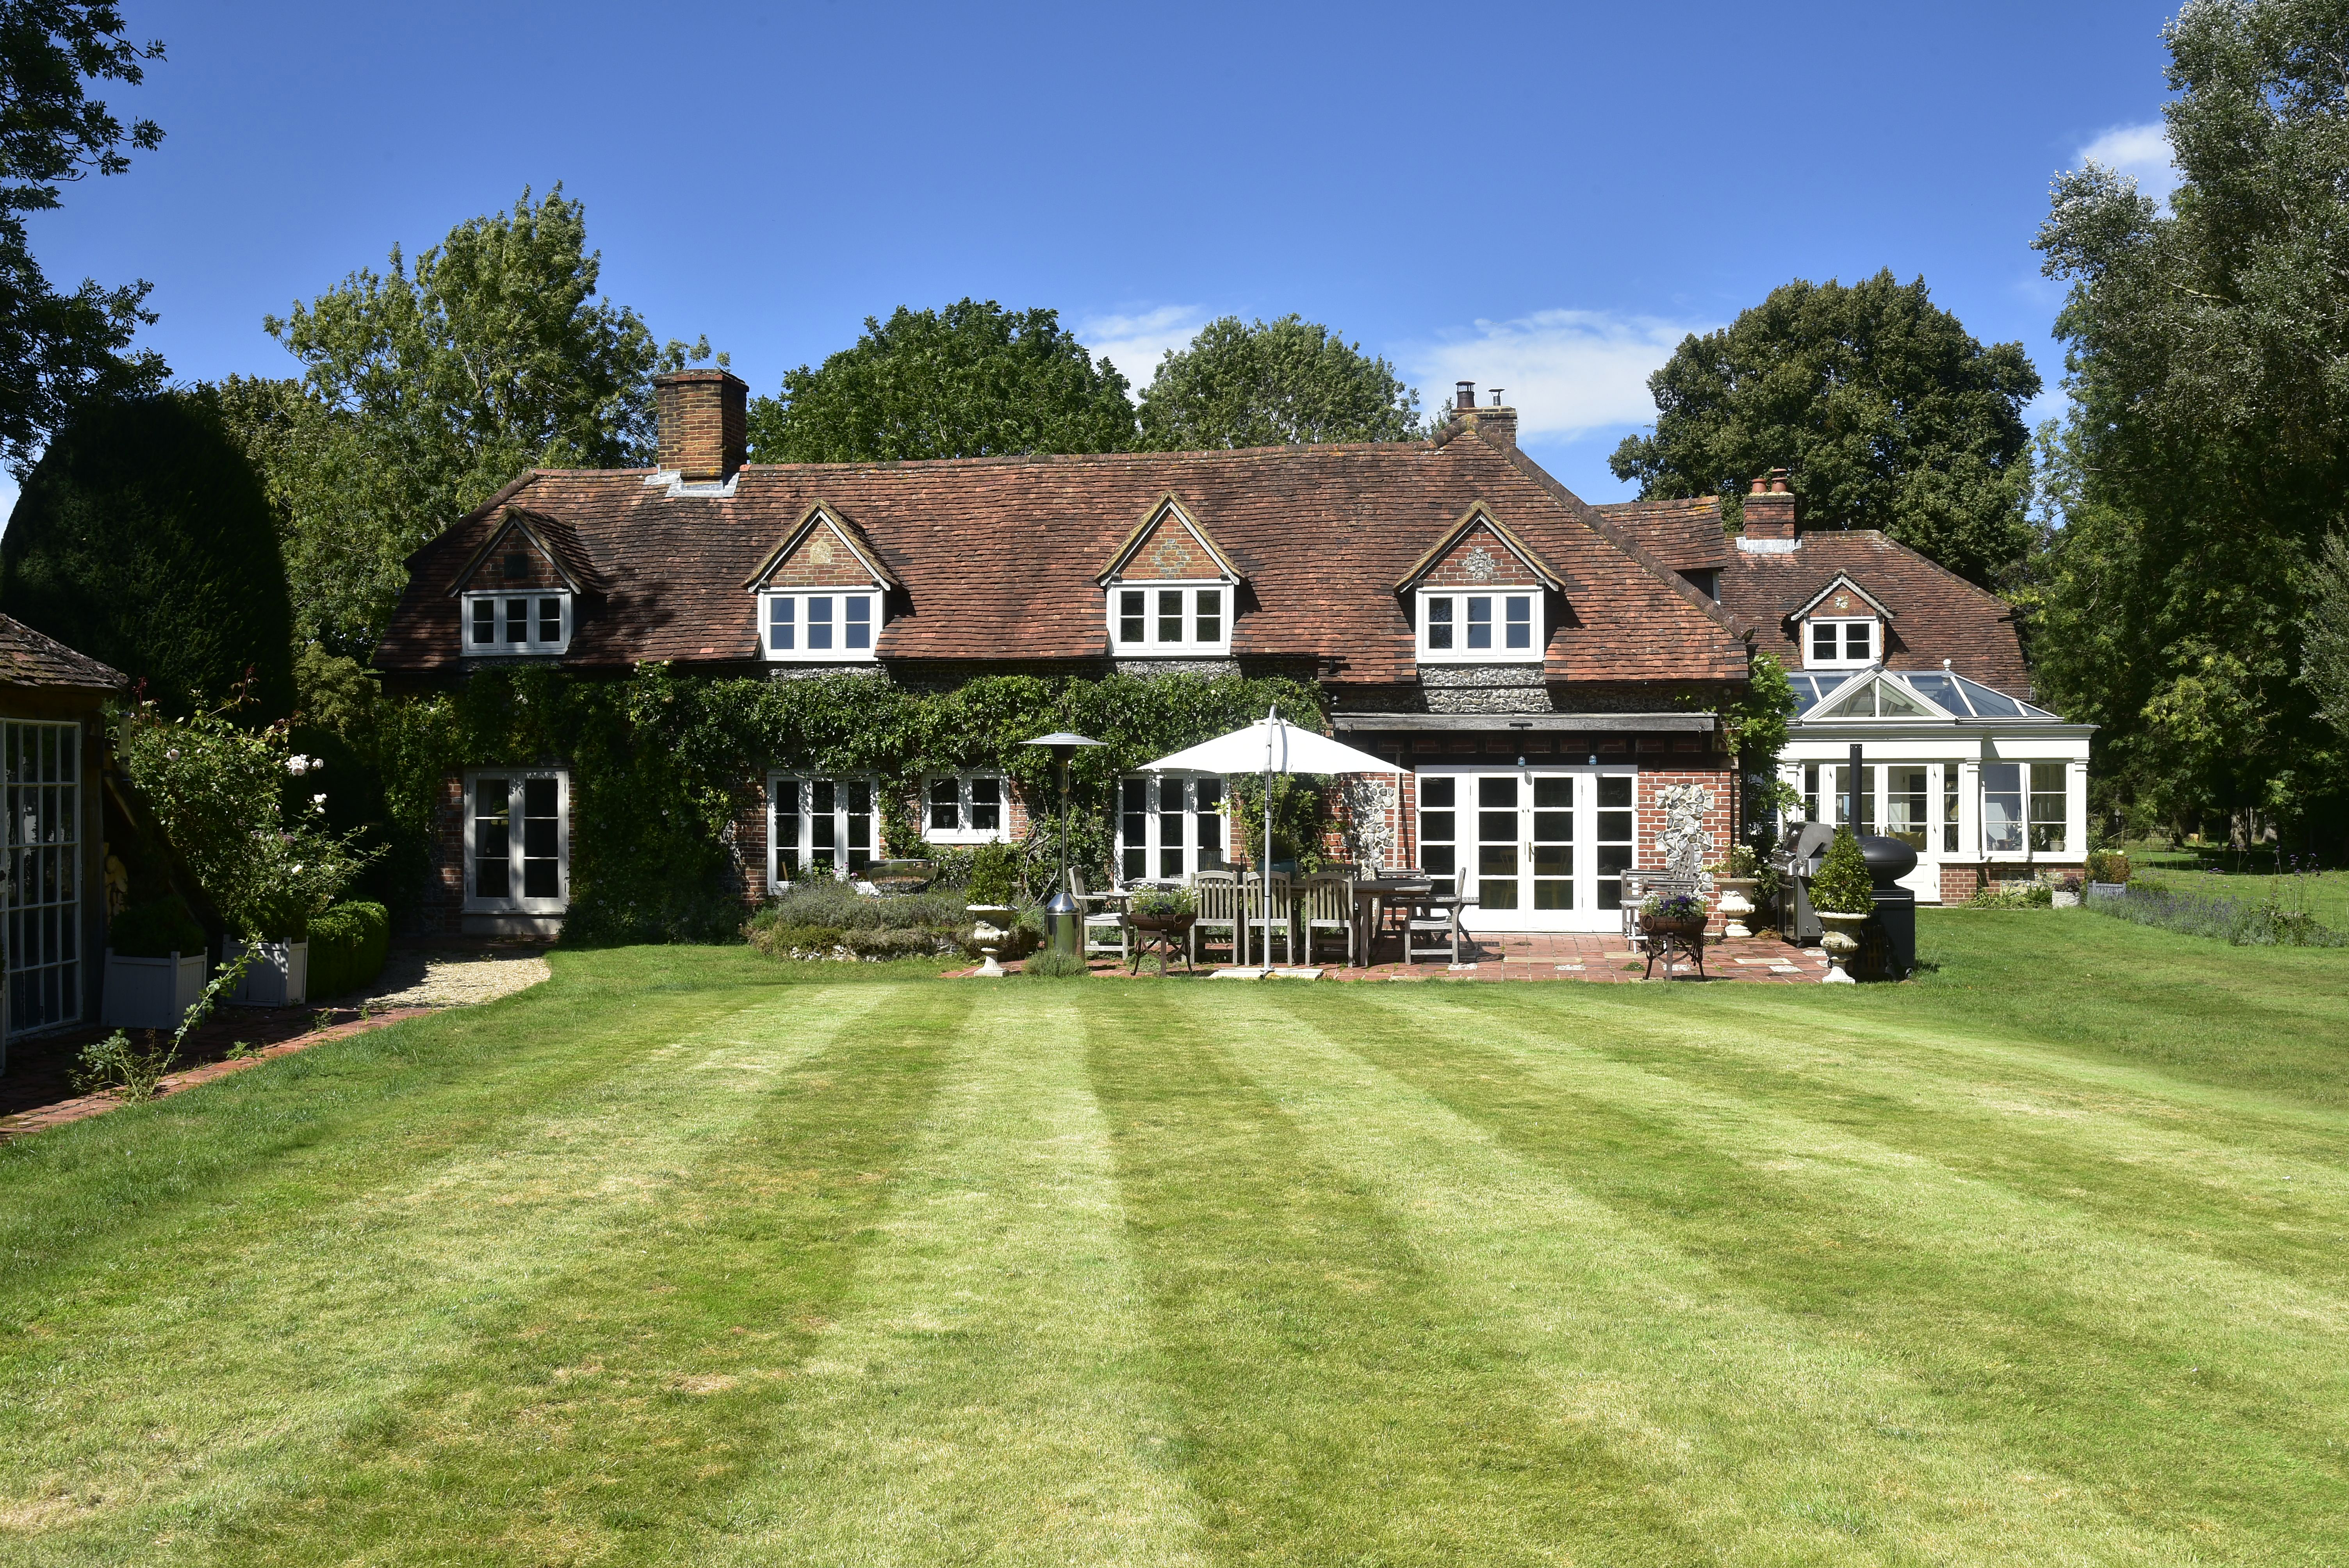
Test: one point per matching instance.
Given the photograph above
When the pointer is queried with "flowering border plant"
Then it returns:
(1672, 906)
(232, 803)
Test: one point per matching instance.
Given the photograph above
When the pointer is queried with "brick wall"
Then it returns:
(442, 905)
(1645, 854)
(823, 559)
(516, 562)
(1170, 552)
(1507, 571)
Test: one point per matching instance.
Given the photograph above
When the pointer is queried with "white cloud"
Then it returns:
(2140, 151)
(1567, 372)
(7, 496)
(1135, 344)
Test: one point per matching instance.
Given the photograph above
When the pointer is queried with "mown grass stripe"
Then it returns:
(987, 1380)
(341, 1296)
(2179, 1386)
(616, 1407)
(1768, 1434)
(1337, 1404)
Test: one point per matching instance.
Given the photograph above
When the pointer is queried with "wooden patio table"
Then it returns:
(1372, 895)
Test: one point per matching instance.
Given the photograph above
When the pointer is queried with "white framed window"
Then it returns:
(1838, 645)
(40, 763)
(1168, 826)
(821, 827)
(518, 841)
(819, 625)
(530, 620)
(1173, 618)
(2026, 808)
(1501, 625)
(967, 808)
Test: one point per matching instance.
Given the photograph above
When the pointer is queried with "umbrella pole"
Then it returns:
(1264, 870)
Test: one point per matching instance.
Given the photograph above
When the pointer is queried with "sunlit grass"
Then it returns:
(691, 1257)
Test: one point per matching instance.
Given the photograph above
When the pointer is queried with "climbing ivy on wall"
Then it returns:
(662, 764)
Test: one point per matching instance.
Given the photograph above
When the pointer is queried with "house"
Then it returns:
(1913, 669)
(1551, 674)
(53, 740)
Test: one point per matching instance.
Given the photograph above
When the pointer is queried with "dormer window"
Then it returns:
(537, 621)
(1169, 619)
(1482, 628)
(819, 625)
(1840, 644)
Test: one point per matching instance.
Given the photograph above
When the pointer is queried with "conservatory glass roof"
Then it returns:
(1877, 693)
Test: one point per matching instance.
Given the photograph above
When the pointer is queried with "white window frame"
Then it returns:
(500, 607)
(1460, 618)
(515, 902)
(843, 823)
(1153, 845)
(963, 831)
(1843, 659)
(1190, 644)
(838, 621)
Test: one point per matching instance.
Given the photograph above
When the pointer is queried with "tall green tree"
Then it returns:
(56, 349)
(1886, 411)
(1264, 384)
(143, 537)
(2324, 655)
(2209, 440)
(972, 380)
(428, 388)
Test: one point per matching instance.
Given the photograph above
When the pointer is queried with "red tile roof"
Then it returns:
(998, 557)
(30, 659)
(1936, 615)
(1685, 535)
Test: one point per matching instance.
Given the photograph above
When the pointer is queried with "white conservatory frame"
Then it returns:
(1942, 744)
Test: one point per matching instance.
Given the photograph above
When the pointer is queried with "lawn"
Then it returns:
(689, 1257)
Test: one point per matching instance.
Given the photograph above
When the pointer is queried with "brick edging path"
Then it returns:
(42, 1118)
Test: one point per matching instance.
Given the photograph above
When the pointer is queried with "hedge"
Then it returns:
(347, 947)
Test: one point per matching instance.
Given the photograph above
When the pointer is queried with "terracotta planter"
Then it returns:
(1655, 925)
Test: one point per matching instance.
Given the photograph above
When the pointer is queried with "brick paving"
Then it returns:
(1603, 957)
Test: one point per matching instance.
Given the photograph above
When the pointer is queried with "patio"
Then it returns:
(1556, 955)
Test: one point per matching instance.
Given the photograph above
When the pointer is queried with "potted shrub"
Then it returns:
(1672, 915)
(1737, 877)
(1171, 911)
(994, 884)
(155, 963)
(1843, 896)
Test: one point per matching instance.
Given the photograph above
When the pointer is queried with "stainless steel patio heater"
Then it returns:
(1064, 921)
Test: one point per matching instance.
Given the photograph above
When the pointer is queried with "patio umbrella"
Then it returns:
(1269, 745)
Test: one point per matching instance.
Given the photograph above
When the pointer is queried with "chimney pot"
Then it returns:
(1497, 396)
(1770, 507)
(705, 424)
(1465, 395)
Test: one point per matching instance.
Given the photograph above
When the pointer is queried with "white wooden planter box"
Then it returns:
(280, 974)
(151, 993)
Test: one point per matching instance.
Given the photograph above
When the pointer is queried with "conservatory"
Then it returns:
(1983, 786)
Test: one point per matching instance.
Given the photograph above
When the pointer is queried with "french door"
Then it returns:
(1532, 849)
(41, 763)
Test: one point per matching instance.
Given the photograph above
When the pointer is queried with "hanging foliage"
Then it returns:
(663, 765)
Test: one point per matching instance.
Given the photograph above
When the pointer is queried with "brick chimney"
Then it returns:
(1496, 423)
(1769, 508)
(705, 424)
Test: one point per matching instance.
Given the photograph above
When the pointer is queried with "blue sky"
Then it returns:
(1544, 198)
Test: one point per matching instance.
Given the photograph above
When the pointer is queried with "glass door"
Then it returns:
(42, 764)
(1532, 849)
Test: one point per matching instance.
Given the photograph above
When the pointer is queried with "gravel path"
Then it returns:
(417, 977)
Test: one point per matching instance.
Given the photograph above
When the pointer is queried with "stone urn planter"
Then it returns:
(1842, 942)
(990, 933)
(1736, 904)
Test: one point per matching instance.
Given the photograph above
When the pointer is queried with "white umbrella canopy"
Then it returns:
(1269, 745)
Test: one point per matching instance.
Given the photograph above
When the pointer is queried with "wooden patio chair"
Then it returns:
(1282, 892)
(1433, 929)
(1100, 912)
(1221, 908)
(1640, 886)
(1326, 903)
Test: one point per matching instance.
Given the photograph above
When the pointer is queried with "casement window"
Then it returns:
(534, 622)
(827, 626)
(518, 841)
(820, 826)
(1500, 627)
(1170, 618)
(1838, 645)
(966, 809)
(1168, 827)
(2025, 804)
